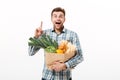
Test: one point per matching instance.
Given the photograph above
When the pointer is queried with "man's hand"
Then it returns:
(59, 66)
(38, 31)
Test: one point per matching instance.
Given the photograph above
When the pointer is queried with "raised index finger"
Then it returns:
(41, 25)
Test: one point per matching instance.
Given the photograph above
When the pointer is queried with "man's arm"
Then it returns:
(32, 49)
(58, 66)
(78, 58)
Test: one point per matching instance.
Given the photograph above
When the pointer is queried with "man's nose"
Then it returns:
(58, 18)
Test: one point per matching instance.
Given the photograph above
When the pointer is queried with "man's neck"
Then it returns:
(58, 31)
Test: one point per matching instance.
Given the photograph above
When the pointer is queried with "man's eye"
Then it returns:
(54, 16)
(61, 16)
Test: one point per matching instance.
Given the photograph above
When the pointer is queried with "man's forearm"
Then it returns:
(78, 58)
(32, 50)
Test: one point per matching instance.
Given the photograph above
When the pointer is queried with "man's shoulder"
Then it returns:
(70, 31)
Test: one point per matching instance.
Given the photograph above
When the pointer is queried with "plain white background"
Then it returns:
(97, 23)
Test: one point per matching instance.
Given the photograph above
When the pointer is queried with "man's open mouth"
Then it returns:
(57, 22)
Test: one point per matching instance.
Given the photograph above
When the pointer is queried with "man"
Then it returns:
(60, 71)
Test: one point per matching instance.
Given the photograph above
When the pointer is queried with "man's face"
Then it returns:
(58, 18)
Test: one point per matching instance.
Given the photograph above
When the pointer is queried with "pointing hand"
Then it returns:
(38, 31)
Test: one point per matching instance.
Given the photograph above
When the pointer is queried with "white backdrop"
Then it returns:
(97, 23)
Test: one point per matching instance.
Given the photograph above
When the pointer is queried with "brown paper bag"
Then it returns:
(50, 58)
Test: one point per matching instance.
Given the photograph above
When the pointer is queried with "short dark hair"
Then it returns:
(58, 9)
